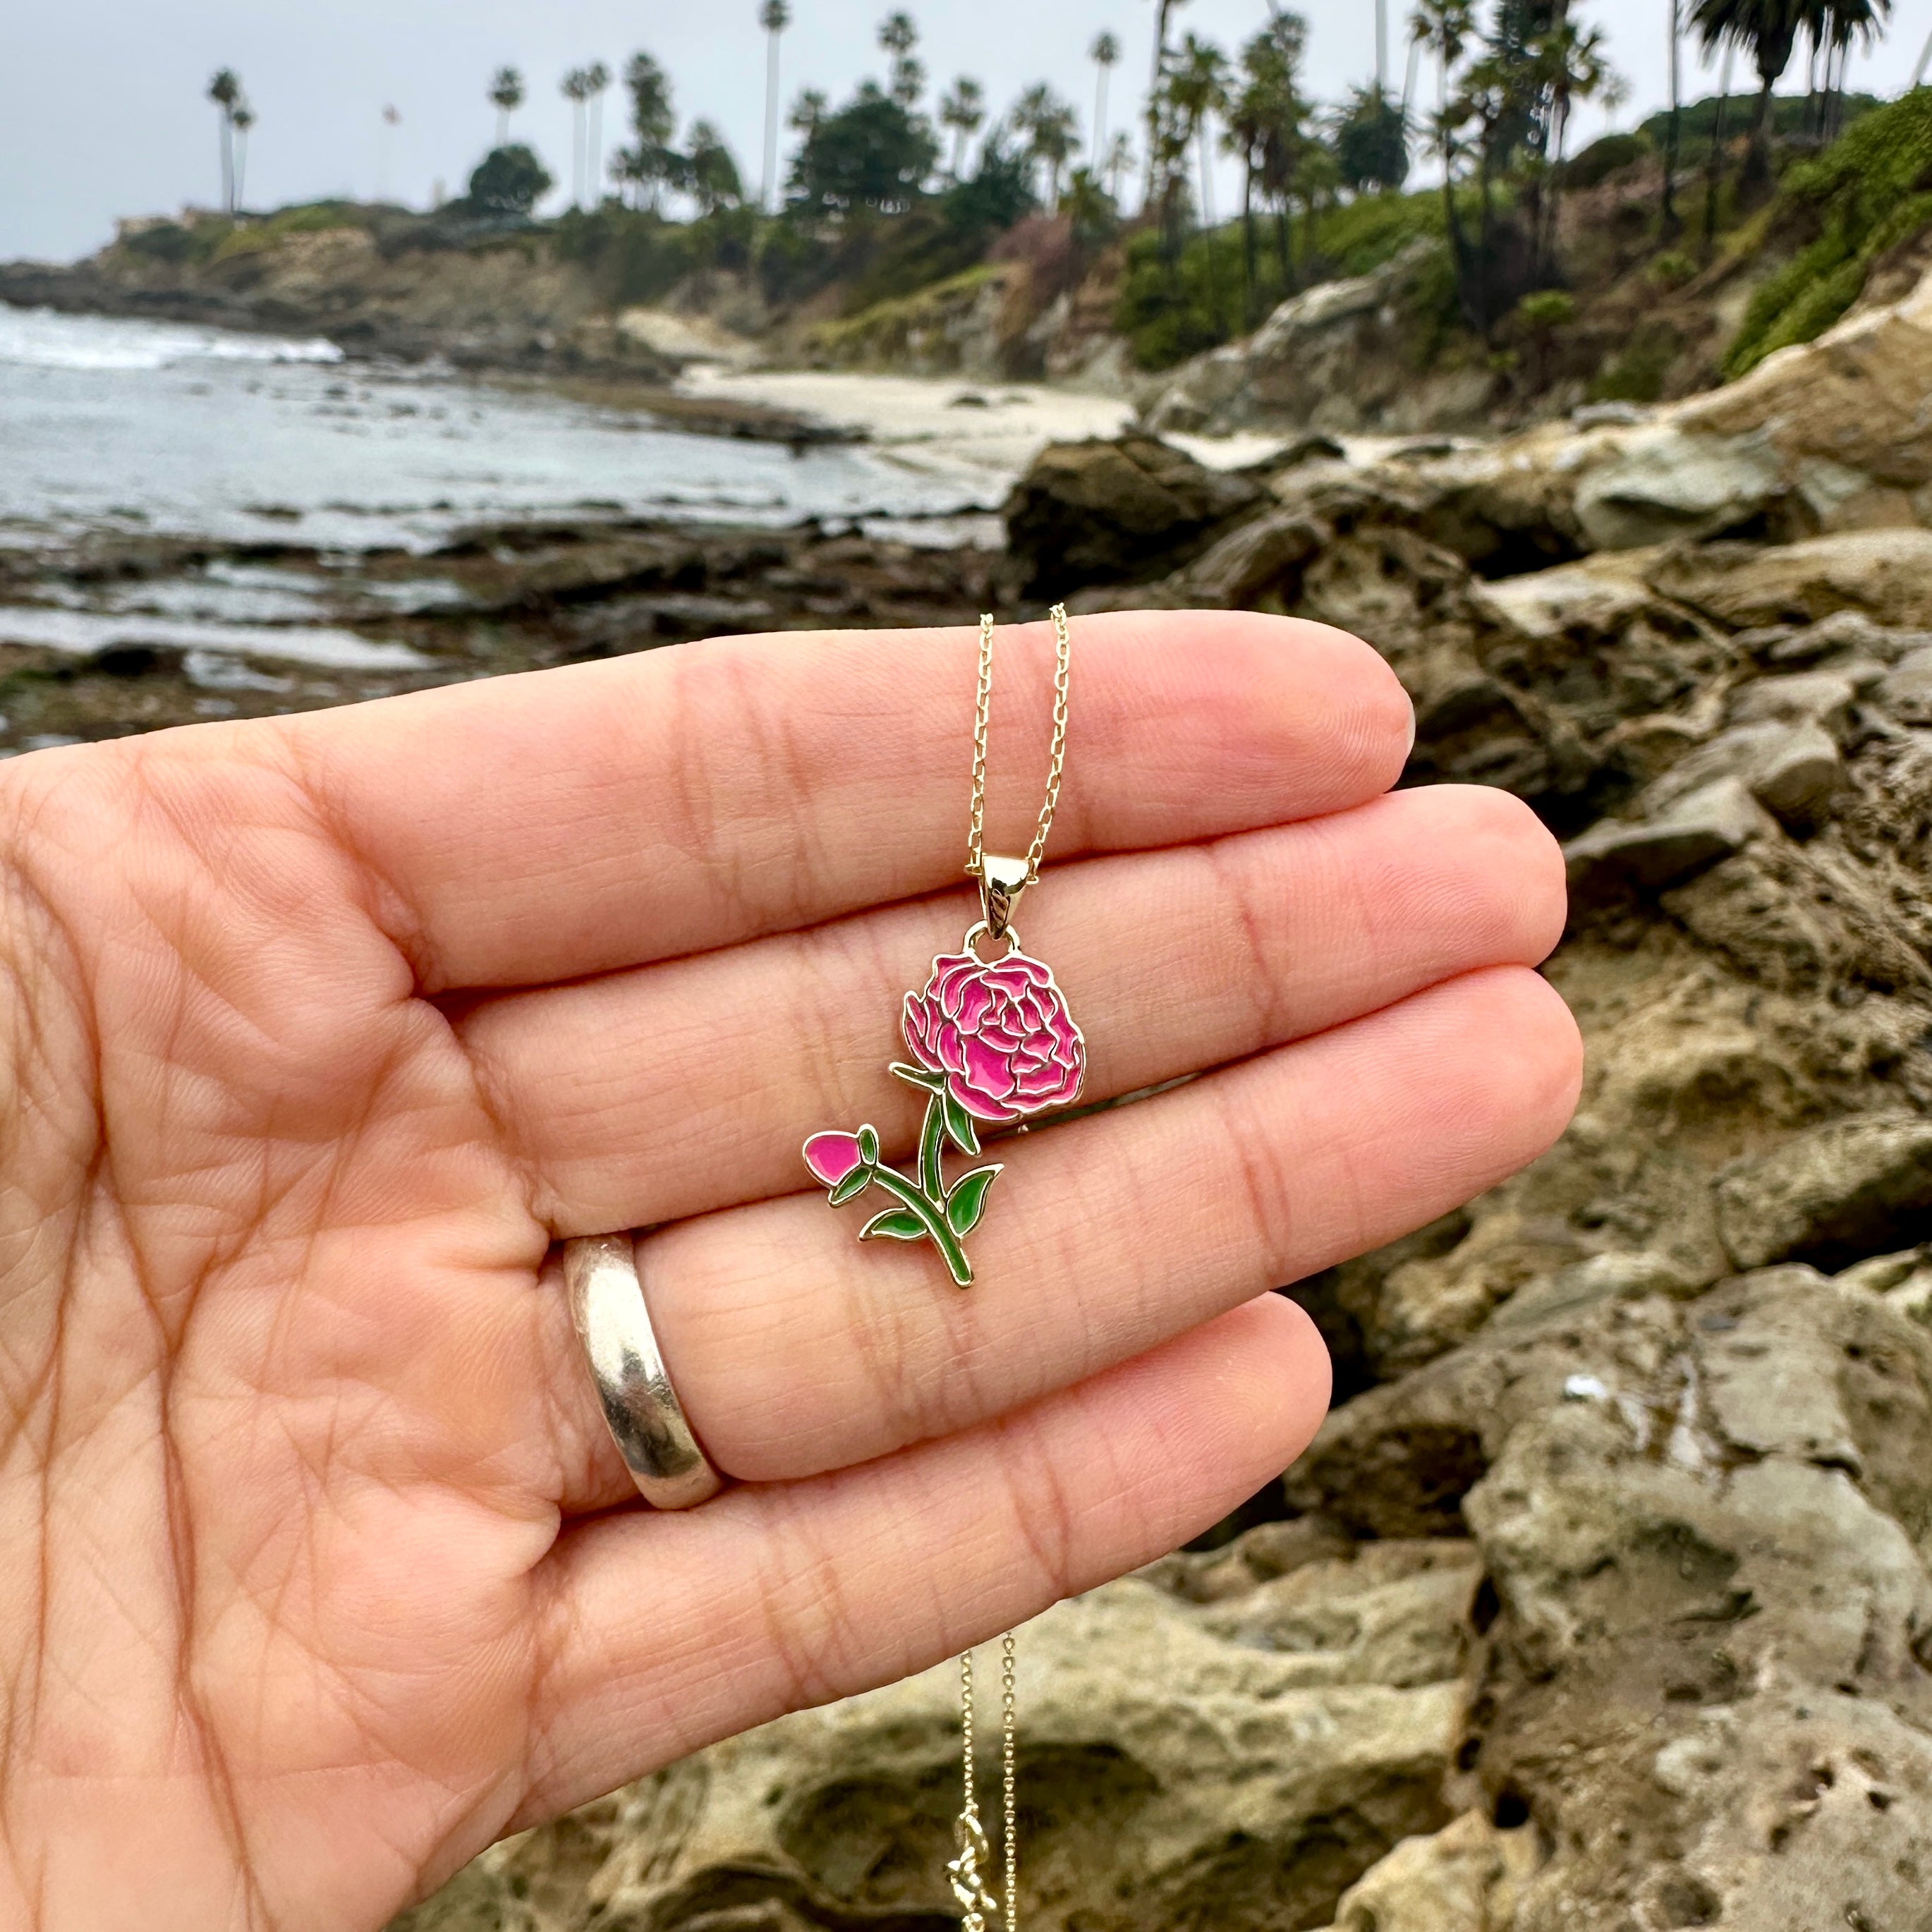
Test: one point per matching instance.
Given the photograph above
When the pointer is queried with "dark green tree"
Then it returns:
(1268, 129)
(650, 164)
(1047, 125)
(962, 112)
(898, 36)
(1372, 142)
(509, 180)
(713, 174)
(871, 153)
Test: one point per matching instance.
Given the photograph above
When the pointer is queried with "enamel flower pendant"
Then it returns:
(990, 1045)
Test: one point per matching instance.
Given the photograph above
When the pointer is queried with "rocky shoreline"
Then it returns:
(1603, 1599)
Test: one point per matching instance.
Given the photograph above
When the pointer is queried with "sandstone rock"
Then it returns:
(1823, 698)
(1338, 357)
(1846, 1190)
(1239, 1761)
(1259, 561)
(1906, 693)
(1691, 834)
(1129, 510)
(1883, 575)
(1794, 771)
(1663, 483)
(1468, 1877)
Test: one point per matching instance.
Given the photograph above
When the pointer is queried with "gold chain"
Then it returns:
(982, 712)
(979, 1910)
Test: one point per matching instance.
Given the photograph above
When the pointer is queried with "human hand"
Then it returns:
(316, 1574)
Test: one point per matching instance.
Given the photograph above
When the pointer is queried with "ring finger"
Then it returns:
(796, 1352)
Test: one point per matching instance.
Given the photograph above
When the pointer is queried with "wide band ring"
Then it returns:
(647, 1422)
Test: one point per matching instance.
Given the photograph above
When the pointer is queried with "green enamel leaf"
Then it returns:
(896, 1224)
(967, 1200)
(854, 1184)
(959, 1126)
(868, 1146)
(917, 1076)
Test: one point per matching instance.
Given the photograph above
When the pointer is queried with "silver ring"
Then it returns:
(647, 1421)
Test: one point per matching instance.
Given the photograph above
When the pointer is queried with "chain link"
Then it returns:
(982, 712)
(978, 1909)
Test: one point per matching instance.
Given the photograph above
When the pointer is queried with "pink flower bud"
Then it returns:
(832, 1157)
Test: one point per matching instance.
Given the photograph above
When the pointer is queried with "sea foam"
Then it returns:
(40, 338)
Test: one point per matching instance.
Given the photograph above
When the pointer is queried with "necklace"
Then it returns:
(991, 1044)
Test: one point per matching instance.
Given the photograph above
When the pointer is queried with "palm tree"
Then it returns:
(1104, 51)
(596, 83)
(1573, 64)
(1266, 121)
(898, 36)
(1381, 47)
(963, 108)
(1768, 30)
(1118, 158)
(506, 92)
(714, 179)
(1164, 12)
(1199, 89)
(774, 16)
(1050, 126)
(1837, 25)
(244, 118)
(650, 163)
(225, 91)
(575, 88)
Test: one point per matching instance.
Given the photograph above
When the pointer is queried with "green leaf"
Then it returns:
(868, 1146)
(917, 1076)
(896, 1224)
(959, 1127)
(967, 1200)
(854, 1184)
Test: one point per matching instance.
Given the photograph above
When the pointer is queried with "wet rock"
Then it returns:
(1844, 1190)
(1689, 835)
(1125, 511)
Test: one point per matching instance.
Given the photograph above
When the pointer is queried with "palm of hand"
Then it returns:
(316, 1578)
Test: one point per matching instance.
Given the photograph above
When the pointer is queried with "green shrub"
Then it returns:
(1671, 269)
(1546, 311)
(1638, 371)
(1602, 158)
(1171, 309)
(1869, 191)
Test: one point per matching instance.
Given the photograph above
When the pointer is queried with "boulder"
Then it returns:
(1907, 691)
(1691, 835)
(1129, 510)
(1845, 1190)
(1468, 1877)
(1794, 771)
(1663, 483)
(1340, 356)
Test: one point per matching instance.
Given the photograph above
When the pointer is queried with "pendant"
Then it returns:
(990, 1045)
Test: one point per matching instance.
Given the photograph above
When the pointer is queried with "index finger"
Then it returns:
(525, 829)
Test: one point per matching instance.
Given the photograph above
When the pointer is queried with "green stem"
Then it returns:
(931, 1145)
(931, 1217)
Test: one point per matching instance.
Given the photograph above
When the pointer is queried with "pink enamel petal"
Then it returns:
(832, 1156)
(995, 1113)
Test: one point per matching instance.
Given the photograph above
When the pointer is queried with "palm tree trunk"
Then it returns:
(1100, 112)
(1758, 167)
(1248, 245)
(227, 163)
(1671, 226)
(240, 171)
(771, 124)
(595, 157)
(1924, 61)
(1715, 178)
(1284, 244)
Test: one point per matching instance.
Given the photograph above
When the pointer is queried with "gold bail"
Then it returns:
(1001, 882)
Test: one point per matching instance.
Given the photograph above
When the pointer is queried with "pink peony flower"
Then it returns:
(1000, 1033)
(832, 1157)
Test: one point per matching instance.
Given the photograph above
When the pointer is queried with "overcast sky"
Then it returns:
(102, 112)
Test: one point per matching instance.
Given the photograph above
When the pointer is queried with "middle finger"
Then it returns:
(648, 1096)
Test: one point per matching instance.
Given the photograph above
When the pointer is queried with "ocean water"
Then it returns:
(139, 425)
